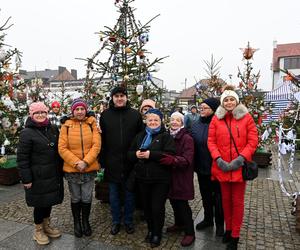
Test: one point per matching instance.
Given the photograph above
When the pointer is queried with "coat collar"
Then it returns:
(238, 113)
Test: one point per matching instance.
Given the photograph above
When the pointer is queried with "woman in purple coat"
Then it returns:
(182, 186)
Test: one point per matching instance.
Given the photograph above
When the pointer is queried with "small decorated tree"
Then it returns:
(13, 107)
(213, 84)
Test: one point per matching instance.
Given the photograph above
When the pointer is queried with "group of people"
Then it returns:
(142, 159)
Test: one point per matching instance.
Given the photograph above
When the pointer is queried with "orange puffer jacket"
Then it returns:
(79, 140)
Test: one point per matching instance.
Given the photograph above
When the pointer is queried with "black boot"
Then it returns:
(148, 237)
(220, 230)
(226, 237)
(86, 228)
(233, 244)
(204, 224)
(155, 241)
(76, 211)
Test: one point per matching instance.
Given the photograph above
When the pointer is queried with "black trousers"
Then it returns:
(183, 215)
(154, 196)
(40, 213)
(211, 199)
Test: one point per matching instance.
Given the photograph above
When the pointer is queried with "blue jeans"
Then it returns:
(115, 191)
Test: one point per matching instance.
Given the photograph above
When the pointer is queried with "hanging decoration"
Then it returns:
(287, 138)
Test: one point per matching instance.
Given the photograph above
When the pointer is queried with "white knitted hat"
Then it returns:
(177, 114)
(227, 93)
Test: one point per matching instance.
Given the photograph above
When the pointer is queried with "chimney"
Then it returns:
(74, 73)
(61, 69)
(275, 44)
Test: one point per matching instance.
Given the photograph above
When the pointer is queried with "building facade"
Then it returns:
(285, 56)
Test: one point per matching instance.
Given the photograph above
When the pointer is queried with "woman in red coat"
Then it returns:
(227, 163)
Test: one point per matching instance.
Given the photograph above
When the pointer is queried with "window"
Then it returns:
(292, 63)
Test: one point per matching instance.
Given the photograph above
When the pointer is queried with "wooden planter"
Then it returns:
(102, 191)
(9, 176)
(263, 159)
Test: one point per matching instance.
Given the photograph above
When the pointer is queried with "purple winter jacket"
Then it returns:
(182, 184)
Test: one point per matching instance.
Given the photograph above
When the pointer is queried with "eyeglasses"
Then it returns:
(204, 108)
(40, 113)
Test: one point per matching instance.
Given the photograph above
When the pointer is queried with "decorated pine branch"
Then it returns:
(123, 59)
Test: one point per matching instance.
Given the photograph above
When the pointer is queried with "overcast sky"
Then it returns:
(54, 32)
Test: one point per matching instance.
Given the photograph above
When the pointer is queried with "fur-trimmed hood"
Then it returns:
(238, 112)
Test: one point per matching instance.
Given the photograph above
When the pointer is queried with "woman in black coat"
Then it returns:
(210, 190)
(40, 168)
(153, 178)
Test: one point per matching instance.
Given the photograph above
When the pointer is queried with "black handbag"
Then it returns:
(249, 169)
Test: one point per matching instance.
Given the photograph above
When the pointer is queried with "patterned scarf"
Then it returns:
(173, 133)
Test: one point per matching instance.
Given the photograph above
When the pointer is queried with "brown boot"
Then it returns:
(39, 235)
(50, 231)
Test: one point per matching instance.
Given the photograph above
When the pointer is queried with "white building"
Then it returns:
(285, 56)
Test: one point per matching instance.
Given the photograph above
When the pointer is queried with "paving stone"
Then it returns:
(267, 221)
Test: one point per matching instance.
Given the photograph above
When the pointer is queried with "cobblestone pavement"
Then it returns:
(268, 223)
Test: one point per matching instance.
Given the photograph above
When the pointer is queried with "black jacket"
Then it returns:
(119, 127)
(150, 170)
(39, 163)
(199, 132)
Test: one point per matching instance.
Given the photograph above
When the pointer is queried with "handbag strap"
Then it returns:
(231, 136)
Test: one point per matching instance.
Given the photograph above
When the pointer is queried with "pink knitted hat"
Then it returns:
(147, 102)
(37, 106)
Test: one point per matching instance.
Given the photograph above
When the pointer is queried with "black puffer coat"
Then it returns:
(39, 164)
(119, 127)
(150, 170)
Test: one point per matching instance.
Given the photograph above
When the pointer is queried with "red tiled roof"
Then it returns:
(188, 93)
(284, 50)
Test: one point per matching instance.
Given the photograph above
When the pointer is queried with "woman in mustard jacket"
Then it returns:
(79, 145)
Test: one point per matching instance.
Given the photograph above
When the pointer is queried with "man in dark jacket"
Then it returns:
(119, 124)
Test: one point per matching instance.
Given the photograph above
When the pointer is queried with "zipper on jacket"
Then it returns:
(81, 139)
(238, 131)
(121, 133)
(230, 146)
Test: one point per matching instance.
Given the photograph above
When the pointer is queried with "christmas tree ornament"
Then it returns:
(128, 50)
(156, 68)
(124, 42)
(139, 89)
(112, 39)
(141, 54)
(248, 52)
(126, 78)
(144, 38)
(2, 55)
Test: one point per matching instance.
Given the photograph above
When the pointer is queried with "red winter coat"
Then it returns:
(182, 184)
(220, 144)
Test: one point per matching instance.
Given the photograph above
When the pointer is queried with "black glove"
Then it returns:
(237, 163)
(224, 165)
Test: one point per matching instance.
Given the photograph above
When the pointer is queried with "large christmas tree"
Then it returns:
(122, 59)
(13, 106)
